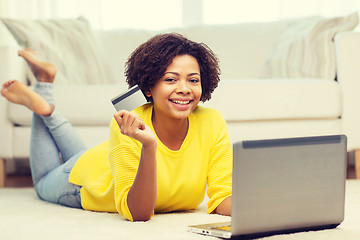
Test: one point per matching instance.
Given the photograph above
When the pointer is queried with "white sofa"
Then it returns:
(259, 97)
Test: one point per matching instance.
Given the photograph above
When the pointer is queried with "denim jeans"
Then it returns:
(55, 147)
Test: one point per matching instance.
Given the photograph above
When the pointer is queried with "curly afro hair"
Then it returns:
(148, 63)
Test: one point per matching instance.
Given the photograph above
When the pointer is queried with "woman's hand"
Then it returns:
(133, 126)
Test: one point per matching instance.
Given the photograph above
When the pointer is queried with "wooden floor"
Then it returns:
(351, 173)
(17, 181)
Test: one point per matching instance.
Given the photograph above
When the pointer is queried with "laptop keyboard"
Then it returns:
(224, 228)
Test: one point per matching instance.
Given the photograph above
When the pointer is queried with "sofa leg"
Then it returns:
(2, 173)
(357, 163)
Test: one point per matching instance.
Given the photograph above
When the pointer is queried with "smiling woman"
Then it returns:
(159, 158)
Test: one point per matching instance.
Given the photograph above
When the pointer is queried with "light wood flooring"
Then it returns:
(17, 181)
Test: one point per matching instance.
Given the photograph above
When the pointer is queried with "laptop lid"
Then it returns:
(290, 184)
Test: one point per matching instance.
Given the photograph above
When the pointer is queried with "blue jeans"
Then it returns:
(54, 149)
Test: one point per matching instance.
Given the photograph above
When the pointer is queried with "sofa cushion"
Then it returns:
(82, 105)
(305, 49)
(68, 43)
(294, 48)
(254, 99)
(240, 47)
(117, 45)
(277, 99)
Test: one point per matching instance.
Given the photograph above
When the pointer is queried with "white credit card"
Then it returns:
(129, 100)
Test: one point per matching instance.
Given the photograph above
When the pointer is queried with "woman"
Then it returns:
(158, 158)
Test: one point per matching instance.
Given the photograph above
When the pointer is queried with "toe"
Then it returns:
(3, 92)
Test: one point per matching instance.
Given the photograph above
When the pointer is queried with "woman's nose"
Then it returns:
(183, 87)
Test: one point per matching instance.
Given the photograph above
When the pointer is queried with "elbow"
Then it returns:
(141, 214)
(142, 217)
(224, 207)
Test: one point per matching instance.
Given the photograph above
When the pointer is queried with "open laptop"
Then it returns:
(284, 186)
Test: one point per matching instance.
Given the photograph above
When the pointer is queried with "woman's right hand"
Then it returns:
(133, 126)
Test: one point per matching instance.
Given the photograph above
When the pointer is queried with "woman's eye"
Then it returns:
(194, 80)
(170, 79)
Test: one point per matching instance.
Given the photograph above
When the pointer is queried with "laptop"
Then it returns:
(284, 186)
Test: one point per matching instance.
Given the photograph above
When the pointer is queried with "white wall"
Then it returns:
(161, 14)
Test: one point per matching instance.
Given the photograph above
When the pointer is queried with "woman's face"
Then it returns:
(178, 92)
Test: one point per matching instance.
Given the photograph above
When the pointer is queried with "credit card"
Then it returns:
(129, 100)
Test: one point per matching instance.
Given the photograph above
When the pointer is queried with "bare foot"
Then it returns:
(44, 71)
(17, 92)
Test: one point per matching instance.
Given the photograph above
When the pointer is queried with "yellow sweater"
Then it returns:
(107, 171)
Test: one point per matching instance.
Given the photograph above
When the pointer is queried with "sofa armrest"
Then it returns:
(11, 67)
(347, 47)
(5, 131)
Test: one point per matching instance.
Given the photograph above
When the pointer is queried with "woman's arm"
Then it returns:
(141, 198)
(142, 195)
(220, 168)
(224, 207)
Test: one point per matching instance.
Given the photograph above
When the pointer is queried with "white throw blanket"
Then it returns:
(24, 216)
